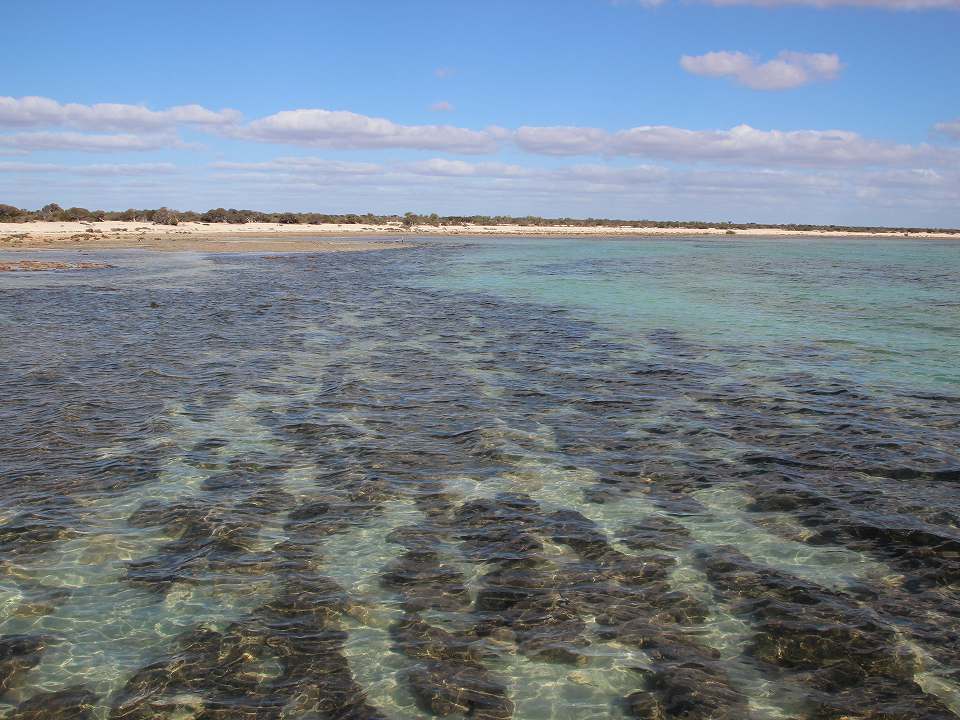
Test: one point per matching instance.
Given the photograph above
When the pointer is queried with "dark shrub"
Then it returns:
(51, 211)
(9, 213)
(165, 216)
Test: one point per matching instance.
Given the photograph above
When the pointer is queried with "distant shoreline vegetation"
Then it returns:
(165, 216)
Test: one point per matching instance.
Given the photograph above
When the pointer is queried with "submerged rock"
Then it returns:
(417, 639)
(34, 532)
(39, 599)
(697, 693)
(643, 705)
(423, 581)
(445, 689)
(572, 528)
(18, 653)
(290, 648)
(503, 589)
(686, 679)
(418, 538)
(656, 533)
(878, 699)
(74, 703)
(850, 660)
(451, 677)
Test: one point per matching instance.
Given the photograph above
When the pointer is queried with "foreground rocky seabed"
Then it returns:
(303, 489)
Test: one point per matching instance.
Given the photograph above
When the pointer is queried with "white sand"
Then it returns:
(224, 236)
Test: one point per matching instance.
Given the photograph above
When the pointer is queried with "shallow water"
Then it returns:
(531, 479)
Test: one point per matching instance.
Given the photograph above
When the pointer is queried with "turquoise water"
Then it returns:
(543, 480)
(887, 310)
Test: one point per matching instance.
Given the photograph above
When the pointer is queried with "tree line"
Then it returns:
(166, 216)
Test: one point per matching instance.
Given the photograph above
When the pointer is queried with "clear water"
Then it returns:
(531, 478)
(889, 310)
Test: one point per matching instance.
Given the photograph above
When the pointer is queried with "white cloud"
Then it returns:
(788, 70)
(621, 191)
(442, 106)
(347, 130)
(896, 196)
(40, 112)
(94, 170)
(951, 128)
(739, 145)
(303, 165)
(562, 140)
(586, 177)
(32, 141)
(444, 72)
(718, 163)
(923, 177)
(613, 176)
(747, 145)
(441, 167)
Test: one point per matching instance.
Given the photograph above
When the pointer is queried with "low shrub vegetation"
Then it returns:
(410, 220)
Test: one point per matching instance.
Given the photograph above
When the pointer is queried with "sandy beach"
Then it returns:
(186, 237)
(265, 237)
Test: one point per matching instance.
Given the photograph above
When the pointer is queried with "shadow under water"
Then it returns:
(304, 488)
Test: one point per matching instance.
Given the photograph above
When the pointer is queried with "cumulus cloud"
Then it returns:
(32, 141)
(908, 195)
(732, 191)
(303, 165)
(442, 106)
(951, 128)
(913, 179)
(441, 167)
(788, 70)
(562, 140)
(148, 169)
(303, 171)
(739, 145)
(583, 176)
(40, 112)
(744, 144)
(610, 175)
(347, 130)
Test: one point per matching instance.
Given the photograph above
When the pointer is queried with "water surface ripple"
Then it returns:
(388, 485)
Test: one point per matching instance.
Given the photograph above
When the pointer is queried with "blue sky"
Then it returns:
(827, 111)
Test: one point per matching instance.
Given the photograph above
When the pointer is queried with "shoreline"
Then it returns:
(275, 237)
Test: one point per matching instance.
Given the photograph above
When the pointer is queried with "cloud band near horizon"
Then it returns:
(34, 122)
(463, 187)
